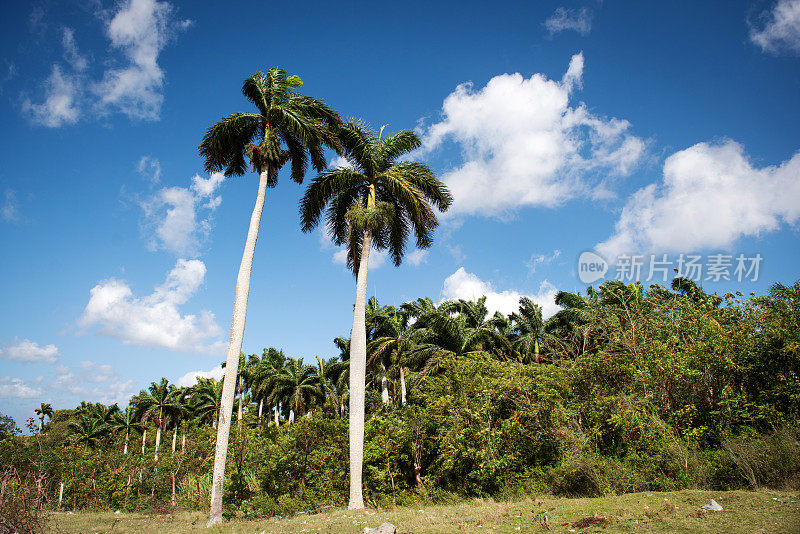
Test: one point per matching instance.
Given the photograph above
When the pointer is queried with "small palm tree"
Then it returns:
(206, 399)
(528, 329)
(88, 430)
(157, 404)
(288, 127)
(126, 421)
(375, 203)
(392, 343)
(295, 387)
(45, 410)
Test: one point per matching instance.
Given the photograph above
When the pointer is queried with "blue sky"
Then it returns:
(623, 128)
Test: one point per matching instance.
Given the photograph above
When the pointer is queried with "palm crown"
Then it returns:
(287, 127)
(378, 193)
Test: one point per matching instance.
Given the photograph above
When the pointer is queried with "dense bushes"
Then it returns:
(644, 391)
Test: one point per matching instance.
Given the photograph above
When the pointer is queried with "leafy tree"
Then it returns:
(375, 203)
(126, 421)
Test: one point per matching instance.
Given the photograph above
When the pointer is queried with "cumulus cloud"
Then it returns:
(16, 388)
(138, 30)
(190, 378)
(171, 214)
(710, 196)
(523, 144)
(95, 382)
(417, 257)
(155, 320)
(563, 19)
(71, 53)
(779, 29)
(464, 285)
(30, 351)
(60, 104)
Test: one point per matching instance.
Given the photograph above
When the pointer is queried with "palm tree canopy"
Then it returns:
(378, 192)
(287, 127)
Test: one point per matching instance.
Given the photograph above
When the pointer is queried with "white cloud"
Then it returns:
(579, 20)
(151, 168)
(9, 210)
(417, 257)
(710, 196)
(190, 378)
(780, 28)
(16, 388)
(155, 320)
(376, 258)
(171, 214)
(108, 388)
(30, 351)
(140, 29)
(71, 53)
(60, 105)
(523, 144)
(542, 259)
(464, 285)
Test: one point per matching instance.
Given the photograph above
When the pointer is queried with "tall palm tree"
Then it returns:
(126, 421)
(287, 127)
(375, 203)
(157, 404)
(45, 410)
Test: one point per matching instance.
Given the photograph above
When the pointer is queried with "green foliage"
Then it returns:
(634, 391)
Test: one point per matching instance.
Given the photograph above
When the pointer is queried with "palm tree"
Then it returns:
(206, 399)
(375, 203)
(158, 404)
(442, 334)
(528, 328)
(295, 387)
(126, 421)
(45, 410)
(88, 429)
(287, 127)
(392, 342)
(262, 377)
(325, 375)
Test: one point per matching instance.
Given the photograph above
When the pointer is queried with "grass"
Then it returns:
(750, 512)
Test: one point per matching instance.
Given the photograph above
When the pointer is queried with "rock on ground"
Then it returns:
(712, 505)
(385, 528)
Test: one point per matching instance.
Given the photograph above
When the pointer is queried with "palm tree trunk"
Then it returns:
(144, 437)
(239, 413)
(402, 386)
(127, 436)
(277, 415)
(158, 439)
(260, 410)
(384, 384)
(358, 372)
(174, 438)
(234, 349)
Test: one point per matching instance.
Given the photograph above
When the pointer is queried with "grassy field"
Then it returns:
(750, 512)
